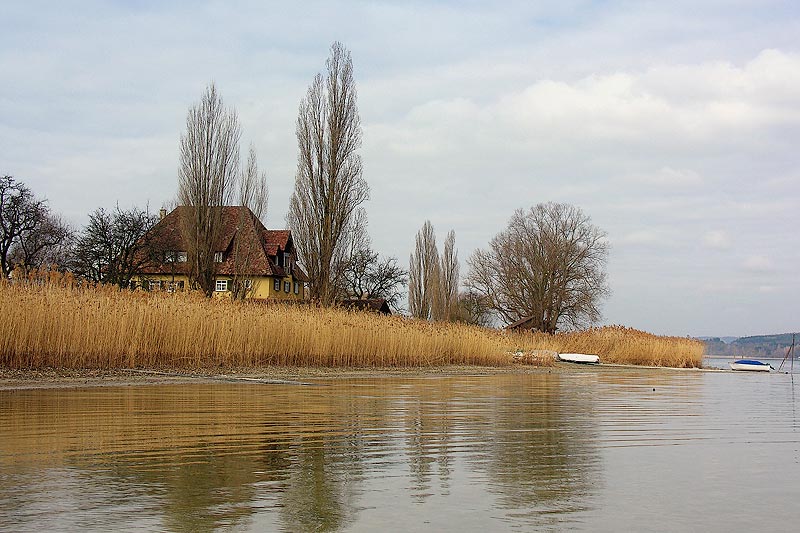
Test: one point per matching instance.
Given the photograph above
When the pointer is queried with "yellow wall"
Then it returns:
(263, 287)
(165, 279)
(280, 293)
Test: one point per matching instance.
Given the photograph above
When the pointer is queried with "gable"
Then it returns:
(248, 247)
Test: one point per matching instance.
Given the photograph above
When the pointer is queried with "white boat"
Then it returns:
(750, 365)
(586, 359)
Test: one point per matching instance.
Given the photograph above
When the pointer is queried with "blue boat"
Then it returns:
(751, 365)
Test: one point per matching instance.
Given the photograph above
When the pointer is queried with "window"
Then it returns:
(222, 285)
(286, 287)
(296, 287)
(248, 284)
(218, 257)
(279, 259)
(154, 285)
(182, 257)
(277, 285)
(180, 285)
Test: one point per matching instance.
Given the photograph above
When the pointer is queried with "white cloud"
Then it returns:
(643, 237)
(718, 105)
(717, 239)
(758, 263)
(665, 178)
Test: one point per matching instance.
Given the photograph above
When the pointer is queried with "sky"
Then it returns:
(674, 125)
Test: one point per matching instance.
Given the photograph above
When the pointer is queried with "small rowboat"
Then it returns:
(583, 358)
(750, 365)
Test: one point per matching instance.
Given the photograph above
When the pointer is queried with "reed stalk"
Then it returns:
(51, 320)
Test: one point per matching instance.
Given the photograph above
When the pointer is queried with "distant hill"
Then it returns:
(726, 340)
(757, 346)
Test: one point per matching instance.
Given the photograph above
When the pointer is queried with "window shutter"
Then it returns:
(230, 285)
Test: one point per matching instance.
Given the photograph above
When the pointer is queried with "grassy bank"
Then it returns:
(52, 322)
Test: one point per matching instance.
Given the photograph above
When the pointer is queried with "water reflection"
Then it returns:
(199, 457)
(488, 452)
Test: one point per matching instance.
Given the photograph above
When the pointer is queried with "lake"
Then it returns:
(595, 449)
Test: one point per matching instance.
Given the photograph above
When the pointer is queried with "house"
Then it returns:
(248, 257)
(374, 305)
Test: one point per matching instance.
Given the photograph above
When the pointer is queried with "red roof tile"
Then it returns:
(247, 246)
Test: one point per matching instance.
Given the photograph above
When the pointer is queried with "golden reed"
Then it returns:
(49, 320)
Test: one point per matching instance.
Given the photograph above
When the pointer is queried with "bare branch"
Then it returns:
(424, 273)
(329, 187)
(448, 280)
(209, 168)
(549, 264)
(114, 246)
(28, 231)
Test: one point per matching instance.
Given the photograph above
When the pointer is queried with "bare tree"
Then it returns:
(47, 245)
(423, 274)
(474, 308)
(28, 231)
(370, 276)
(548, 264)
(329, 187)
(447, 295)
(209, 167)
(433, 280)
(254, 196)
(253, 189)
(114, 246)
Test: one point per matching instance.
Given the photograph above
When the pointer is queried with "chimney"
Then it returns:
(162, 213)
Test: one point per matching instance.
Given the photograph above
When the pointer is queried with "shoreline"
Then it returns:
(53, 378)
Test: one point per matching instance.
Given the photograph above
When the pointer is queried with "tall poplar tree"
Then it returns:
(329, 187)
(209, 167)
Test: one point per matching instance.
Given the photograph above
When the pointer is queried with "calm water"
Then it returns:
(602, 450)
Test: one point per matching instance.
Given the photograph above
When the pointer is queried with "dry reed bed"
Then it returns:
(621, 345)
(49, 321)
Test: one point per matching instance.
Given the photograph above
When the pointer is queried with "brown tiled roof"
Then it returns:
(244, 241)
(275, 239)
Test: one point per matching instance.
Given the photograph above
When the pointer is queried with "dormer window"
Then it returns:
(218, 257)
(175, 257)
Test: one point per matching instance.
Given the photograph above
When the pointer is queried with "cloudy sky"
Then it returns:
(674, 125)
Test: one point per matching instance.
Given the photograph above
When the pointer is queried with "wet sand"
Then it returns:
(71, 378)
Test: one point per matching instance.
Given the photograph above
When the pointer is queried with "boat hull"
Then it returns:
(583, 358)
(750, 366)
